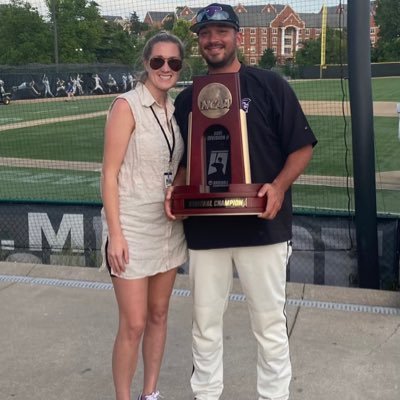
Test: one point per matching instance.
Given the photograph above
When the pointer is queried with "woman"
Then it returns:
(142, 251)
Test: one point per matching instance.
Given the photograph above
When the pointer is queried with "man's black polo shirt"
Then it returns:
(276, 127)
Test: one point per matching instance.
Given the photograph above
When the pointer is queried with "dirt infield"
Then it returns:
(337, 108)
(389, 180)
(50, 164)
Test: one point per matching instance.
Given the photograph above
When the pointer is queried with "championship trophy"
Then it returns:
(218, 179)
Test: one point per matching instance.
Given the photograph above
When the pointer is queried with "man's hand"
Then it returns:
(275, 191)
(274, 196)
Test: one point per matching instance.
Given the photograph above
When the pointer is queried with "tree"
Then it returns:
(268, 59)
(195, 66)
(309, 53)
(388, 19)
(80, 30)
(136, 27)
(24, 35)
(116, 45)
(182, 30)
(169, 22)
(336, 49)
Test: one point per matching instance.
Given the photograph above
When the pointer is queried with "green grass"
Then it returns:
(69, 141)
(330, 152)
(383, 89)
(34, 184)
(320, 199)
(17, 112)
(63, 141)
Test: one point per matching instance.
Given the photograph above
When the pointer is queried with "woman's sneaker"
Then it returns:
(151, 396)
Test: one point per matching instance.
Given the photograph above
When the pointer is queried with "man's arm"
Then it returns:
(295, 164)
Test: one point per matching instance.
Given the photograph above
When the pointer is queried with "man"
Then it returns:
(97, 84)
(29, 85)
(60, 88)
(46, 84)
(112, 84)
(280, 147)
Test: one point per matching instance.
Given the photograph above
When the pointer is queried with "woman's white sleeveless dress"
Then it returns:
(155, 243)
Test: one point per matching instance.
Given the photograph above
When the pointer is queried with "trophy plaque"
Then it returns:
(218, 176)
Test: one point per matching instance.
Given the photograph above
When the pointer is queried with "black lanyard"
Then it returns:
(171, 149)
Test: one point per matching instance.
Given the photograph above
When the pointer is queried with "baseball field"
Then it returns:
(51, 149)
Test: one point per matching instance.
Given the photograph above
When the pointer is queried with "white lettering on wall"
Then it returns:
(39, 223)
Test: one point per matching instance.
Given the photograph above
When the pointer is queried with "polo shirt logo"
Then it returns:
(245, 104)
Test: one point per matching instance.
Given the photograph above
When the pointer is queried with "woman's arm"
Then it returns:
(119, 127)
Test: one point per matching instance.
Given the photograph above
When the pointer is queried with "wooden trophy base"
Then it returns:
(240, 199)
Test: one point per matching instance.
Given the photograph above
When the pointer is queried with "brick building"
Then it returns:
(275, 26)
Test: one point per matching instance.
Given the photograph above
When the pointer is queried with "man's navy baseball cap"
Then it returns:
(215, 13)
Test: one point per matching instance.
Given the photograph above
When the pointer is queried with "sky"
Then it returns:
(123, 8)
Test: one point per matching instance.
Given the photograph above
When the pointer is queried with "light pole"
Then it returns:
(55, 31)
(398, 112)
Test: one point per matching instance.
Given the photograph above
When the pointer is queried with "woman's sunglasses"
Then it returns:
(174, 63)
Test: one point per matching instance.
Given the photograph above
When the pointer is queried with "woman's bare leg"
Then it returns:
(159, 293)
(131, 297)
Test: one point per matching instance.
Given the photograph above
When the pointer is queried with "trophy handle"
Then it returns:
(189, 146)
(245, 147)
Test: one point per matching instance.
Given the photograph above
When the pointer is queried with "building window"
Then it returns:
(264, 40)
(307, 31)
(372, 30)
(288, 41)
(274, 40)
(264, 31)
(252, 49)
(252, 31)
(288, 51)
(300, 31)
(274, 31)
(274, 49)
(372, 40)
(252, 61)
(252, 40)
(241, 30)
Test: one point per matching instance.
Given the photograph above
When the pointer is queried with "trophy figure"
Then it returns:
(218, 180)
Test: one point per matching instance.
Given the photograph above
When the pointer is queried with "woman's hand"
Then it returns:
(117, 254)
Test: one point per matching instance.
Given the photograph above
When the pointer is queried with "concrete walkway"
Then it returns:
(58, 325)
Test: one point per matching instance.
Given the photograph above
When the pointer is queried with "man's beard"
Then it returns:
(225, 62)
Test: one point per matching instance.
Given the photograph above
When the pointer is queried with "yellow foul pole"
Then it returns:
(323, 39)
